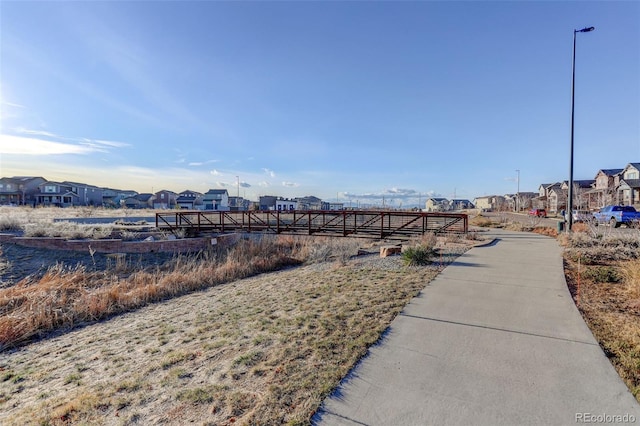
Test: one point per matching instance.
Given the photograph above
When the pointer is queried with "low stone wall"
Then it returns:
(120, 246)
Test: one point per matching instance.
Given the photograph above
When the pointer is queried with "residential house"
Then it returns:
(332, 206)
(542, 200)
(190, 200)
(309, 203)
(216, 199)
(88, 195)
(604, 191)
(19, 190)
(581, 189)
(436, 204)
(267, 202)
(114, 198)
(240, 204)
(56, 194)
(629, 185)
(460, 204)
(139, 201)
(490, 202)
(557, 199)
(164, 200)
(284, 204)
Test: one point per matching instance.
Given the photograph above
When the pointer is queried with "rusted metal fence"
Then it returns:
(343, 223)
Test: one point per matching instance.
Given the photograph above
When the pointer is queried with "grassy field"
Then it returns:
(220, 340)
(216, 339)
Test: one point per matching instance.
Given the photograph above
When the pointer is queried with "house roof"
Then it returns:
(585, 183)
(609, 172)
(143, 197)
(632, 183)
(436, 199)
(217, 191)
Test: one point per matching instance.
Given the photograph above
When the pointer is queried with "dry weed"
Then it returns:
(64, 297)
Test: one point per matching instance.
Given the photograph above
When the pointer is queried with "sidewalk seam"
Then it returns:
(487, 327)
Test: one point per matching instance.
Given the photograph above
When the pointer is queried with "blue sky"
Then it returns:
(350, 100)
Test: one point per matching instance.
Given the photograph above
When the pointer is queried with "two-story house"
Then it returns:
(216, 199)
(460, 204)
(434, 204)
(88, 195)
(604, 191)
(285, 204)
(629, 185)
(19, 190)
(165, 199)
(490, 202)
(189, 200)
(56, 194)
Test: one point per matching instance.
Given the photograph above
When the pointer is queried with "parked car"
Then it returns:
(538, 212)
(616, 215)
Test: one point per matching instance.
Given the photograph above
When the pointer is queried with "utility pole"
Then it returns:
(518, 193)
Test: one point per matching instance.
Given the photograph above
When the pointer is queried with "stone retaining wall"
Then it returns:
(120, 246)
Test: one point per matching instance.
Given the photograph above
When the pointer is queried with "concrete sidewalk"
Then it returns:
(495, 339)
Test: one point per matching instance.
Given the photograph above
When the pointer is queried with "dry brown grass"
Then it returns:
(263, 350)
(64, 297)
(605, 283)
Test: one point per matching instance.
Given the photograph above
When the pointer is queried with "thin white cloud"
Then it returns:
(269, 172)
(264, 184)
(222, 184)
(290, 184)
(12, 104)
(10, 144)
(245, 185)
(24, 131)
(113, 144)
(214, 172)
(202, 163)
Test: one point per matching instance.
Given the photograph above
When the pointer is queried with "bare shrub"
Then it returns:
(600, 254)
(10, 223)
(519, 227)
(127, 235)
(481, 221)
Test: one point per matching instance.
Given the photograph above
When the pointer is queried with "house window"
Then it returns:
(162, 196)
(632, 175)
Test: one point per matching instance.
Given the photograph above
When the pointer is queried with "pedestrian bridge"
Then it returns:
(339, 223)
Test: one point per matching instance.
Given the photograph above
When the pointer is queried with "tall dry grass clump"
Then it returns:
(631, 272)
(64, 296)
(420, 250)
(598, 249)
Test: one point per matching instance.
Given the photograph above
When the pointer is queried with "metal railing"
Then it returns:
(343, 223)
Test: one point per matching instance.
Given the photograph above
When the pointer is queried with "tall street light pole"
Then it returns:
(518, 193)
(573, 91)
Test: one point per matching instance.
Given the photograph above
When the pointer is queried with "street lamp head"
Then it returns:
(585, 30)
